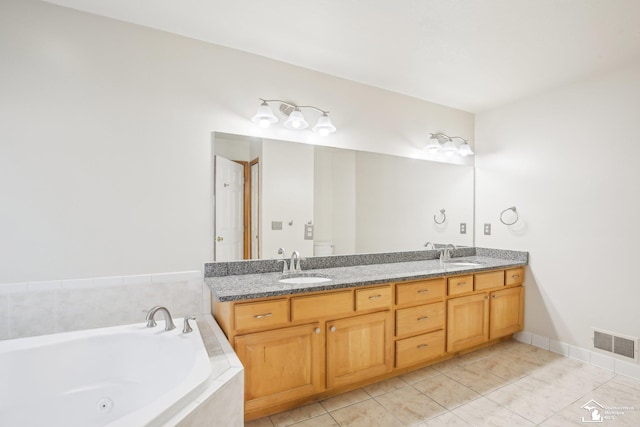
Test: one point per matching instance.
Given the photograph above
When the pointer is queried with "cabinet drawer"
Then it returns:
(492, 279)
(514, 276)
(411, 351)
(368, 299)
(460, 284)
(422, 318)
(323, 305)
(420, 292)
(260, 315)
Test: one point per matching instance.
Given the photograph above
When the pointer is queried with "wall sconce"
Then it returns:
(295, 120)
(445, 143)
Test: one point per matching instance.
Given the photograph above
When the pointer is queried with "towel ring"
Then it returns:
(444, 217)
(512, 208)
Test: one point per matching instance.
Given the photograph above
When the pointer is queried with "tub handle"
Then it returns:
(187, 327)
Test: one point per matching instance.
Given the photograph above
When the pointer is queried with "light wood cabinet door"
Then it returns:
(507, 312)
(467, 321)
(281, 365)
(358, 348)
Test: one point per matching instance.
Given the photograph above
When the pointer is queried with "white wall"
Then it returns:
(334, 201)
(568, 161)
(397, 199)
(105, 153)
(286, 200)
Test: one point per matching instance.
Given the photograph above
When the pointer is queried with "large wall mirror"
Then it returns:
(329, 201)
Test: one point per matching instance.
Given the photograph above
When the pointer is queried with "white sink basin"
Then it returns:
(462, 263)
(304, 280)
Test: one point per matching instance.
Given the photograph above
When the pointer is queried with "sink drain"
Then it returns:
(104, 405)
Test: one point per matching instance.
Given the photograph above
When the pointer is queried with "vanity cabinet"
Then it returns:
(468, 321)
(281, 364)
(495, 309)
(359, 348)
(299, 348)
(506, 314)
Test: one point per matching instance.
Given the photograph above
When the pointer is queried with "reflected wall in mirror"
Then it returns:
(321, 200)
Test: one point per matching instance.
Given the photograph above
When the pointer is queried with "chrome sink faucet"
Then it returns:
(151, 322)
(282, 252)
(445, 255)
(294, 263)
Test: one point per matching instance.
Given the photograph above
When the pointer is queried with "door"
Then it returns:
(358, 348)
(467, 321)
(229, 210)
(507, 312)
(281, 365)
(255, 209)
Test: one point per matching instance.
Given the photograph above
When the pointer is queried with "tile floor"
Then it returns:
(510, 384)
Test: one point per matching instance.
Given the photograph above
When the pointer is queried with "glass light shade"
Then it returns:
(432, 144)
(296, 120)
(449, 147)
(264, 116)
(324, 126)
(465, 150)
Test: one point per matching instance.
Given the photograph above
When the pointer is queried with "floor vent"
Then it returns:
(619, 345)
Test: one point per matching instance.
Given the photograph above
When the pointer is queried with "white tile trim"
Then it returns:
(95, 282)
(594, 358)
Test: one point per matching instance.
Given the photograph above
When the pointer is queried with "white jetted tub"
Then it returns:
(121, 376)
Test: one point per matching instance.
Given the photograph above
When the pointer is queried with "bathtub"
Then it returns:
(121, 376)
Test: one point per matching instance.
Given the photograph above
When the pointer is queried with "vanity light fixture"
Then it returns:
(295, 120)
(445, 143)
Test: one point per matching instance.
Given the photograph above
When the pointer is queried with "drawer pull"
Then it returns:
(375, 296)
(423, 291)
(515, 276)
(462, 283)
(423, 318)
(421, 346)
(262, 316)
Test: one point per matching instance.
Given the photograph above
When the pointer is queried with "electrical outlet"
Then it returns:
(487, 229)
(463, 228)
(308, 232)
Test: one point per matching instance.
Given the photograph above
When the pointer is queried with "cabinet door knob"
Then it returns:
(487, 297)
(220, 239)
(317, 330)
(332, 329)
(495, 296)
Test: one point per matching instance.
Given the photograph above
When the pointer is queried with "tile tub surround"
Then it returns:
(223, 399)
(235, 287)
(39, 308)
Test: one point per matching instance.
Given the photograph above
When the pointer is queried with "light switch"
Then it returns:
(276, 225)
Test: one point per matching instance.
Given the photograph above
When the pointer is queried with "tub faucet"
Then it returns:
(151, 322)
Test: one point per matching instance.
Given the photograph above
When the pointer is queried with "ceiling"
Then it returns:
(473, 55)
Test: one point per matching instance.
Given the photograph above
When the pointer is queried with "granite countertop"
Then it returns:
(251, 286)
